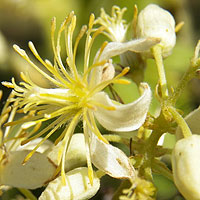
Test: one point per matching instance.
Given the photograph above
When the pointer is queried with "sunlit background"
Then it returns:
(25, 20)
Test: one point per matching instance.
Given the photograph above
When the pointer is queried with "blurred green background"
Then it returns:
(25, 20)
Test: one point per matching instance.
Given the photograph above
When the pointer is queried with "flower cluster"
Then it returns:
(29, 158)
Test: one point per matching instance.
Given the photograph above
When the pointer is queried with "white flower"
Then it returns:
(77, 96)
(154, 21)
(186, 166)
(115, 26)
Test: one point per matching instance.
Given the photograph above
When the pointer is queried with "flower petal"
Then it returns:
(33, 174)
(116, 48)
(78, 186)
(110, 159)
(192, 120)
(76, 154)
(126, 117)
(32, 144)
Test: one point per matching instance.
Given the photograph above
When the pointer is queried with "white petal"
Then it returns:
(110, 159)
(116, 48)
(185, 165)
(192, 120)
(33, 174)
(76, 154)
(32, 144)
(78, 186)
(126, 117)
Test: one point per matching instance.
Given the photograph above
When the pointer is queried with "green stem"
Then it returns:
(181, 122)
(27, 194)
(160, 168)
(189, 74)
(114, 138)
(157, 53)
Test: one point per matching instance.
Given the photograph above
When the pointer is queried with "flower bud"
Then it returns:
(156, 22)
(186, 166)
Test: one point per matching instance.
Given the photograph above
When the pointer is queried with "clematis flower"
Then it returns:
(78, 96)
(115, 26)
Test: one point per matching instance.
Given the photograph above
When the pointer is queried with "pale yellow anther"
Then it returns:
(122, 81)
(20, 51)
(53, 24)
(91, 20)
(7, 84)
(28, 125)
(179, 26)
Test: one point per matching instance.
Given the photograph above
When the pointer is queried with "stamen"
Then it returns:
(80, 35)
(96, 64)
(122, 81)
(26, 78)
(101, 49)
(41, 142)
(57, 121)
(87, 148)
(56, 49)
(179, 26)
(66, 142)
(24, 55)
(93, 126)
(103, 106)
(61, 111)
(91, 21)
(69, 37)
(87, 43)
(7, 84)
(90, 43)
(35, 53)
(135, 19)
(104, 84)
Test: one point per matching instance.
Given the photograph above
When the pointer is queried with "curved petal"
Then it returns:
(110, 159)
(78, 186)
(116, 48)
(33, 174)
(192, 120)
(126, 117)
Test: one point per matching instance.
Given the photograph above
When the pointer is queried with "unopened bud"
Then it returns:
(186, 166)
(156, 22)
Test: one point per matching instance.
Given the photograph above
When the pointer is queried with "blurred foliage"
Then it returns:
(24, 20)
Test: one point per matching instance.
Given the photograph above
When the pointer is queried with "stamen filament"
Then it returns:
(66, 142)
